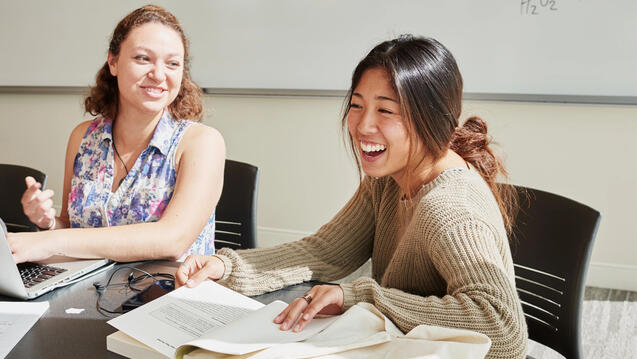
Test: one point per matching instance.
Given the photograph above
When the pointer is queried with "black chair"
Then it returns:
(551, 245)
(236, 214)
(12, 187)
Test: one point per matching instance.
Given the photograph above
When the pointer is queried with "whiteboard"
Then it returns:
(549, 47)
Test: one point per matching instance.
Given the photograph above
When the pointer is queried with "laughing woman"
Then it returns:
(142, 180)
(428, 213)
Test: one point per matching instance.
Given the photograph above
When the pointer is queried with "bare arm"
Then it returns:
(200, 162)
(71, 151)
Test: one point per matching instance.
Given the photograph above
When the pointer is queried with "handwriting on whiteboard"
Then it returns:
(537, 7)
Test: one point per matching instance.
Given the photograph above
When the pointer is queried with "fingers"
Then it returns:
(197, 268)
(45, 195)
(184, 270)
(30, 181)
(279, 318)
(323, 299)
(202, 274)
(43, 209)
(17, 258)
(326, 299)
(37, 204)
(30, 246)
(291, 314)
(11, 241)
(14, 245)
(32, 188)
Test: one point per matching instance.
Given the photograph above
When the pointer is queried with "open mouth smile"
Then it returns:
(371, 151)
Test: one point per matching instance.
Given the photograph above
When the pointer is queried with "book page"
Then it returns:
(183, 315)
(256, 331)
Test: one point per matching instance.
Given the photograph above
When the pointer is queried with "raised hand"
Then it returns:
(38, 205)
(197, 268)
(321, 299)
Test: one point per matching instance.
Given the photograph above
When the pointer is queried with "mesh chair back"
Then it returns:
(551, 245)
(12, 187)
(236, 213)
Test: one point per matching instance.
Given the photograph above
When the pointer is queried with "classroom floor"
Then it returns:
(609, 326)
(613, 295)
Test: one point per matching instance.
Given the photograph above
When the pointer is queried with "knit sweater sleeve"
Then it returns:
(336, 250)
(480, 295)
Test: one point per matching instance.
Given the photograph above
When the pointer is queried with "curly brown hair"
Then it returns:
(428, 82)
(103, 98)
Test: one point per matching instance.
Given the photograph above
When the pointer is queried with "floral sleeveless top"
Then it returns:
(145, 191)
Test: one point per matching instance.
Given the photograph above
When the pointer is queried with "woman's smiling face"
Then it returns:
(149, 68)
(375, 122)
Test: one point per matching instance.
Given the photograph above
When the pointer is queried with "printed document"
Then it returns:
(16, 318)
(209, 316)
(189, 324)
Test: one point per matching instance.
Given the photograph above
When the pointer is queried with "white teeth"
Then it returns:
(153, 90)
(372, 148)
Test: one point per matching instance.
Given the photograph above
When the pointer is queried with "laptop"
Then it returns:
(30, 280)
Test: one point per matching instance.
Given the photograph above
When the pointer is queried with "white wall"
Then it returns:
(585, 152)
(259, 44)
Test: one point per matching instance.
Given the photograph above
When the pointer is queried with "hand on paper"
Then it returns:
(197, 268)
(326, 299)
(37, 204)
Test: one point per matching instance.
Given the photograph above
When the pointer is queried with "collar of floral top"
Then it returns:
(161, 137)
(163, 133)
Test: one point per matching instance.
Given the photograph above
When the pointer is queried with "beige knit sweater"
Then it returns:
(444, 262)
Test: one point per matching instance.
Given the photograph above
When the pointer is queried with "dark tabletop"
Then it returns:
(61, 335)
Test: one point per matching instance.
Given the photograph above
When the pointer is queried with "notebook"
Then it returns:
(41, 277)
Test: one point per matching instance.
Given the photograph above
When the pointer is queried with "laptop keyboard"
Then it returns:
(33, 273)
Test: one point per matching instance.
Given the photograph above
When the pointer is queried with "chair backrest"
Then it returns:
(551, 245)
(236, 213)
(12, 187)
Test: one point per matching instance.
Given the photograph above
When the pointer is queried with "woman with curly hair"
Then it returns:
(141, 180)
(428, 213)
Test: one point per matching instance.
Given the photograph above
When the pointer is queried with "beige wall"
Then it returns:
(585, 152)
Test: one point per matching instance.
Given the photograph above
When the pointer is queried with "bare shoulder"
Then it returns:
(201, 139)
(200, 136)
(201, 132)
(80, 129)
(76, 136)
